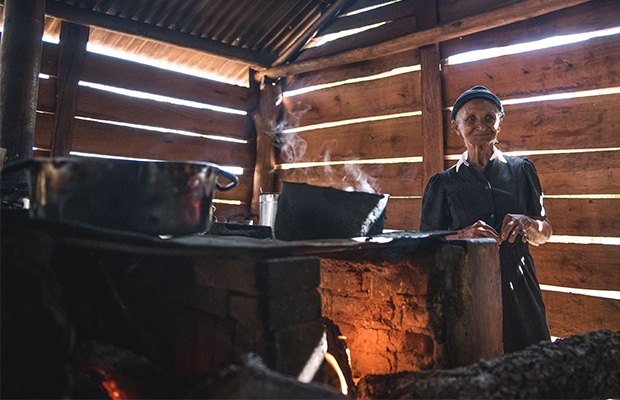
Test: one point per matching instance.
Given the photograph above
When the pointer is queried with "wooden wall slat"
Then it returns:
(584, 266)
(587, 17)
(93, 137)
(43, 132)
(403, 214)
(350, 71)
(578, 123)
(560, 69)
(110, 106)
(583, 173)
(49, 59)
(584, 217)
(46, 100)
(398, 137)
(570, 314)
(391, 95)
(393, 179)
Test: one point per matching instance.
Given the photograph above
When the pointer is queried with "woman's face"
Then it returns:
(478, 121)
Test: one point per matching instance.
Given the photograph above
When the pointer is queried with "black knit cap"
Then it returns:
(477, 92)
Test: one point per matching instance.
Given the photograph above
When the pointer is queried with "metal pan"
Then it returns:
(152, 197)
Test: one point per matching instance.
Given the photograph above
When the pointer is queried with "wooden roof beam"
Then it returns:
(323, 20)
(477, 23)
(84, 17)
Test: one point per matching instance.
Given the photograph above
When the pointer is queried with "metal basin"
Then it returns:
(152, 197)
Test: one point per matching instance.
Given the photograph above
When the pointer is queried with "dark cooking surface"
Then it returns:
(102, 238)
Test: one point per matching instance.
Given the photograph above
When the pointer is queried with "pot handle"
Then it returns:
(17, 166)
(234, 180)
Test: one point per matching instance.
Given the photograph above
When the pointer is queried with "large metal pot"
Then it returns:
(316, 212)
(152, 197)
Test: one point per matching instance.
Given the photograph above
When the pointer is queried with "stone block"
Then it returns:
(294, 346)
(284, 276)
(211, 300)
(286, 311)
(246, 310)
(232, 274)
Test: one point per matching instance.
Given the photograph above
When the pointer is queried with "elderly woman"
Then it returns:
(491, 195)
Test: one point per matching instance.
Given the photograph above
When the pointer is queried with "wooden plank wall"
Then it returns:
(574, 142)
(93, 136)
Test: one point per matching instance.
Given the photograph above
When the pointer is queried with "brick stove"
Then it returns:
(404, 301)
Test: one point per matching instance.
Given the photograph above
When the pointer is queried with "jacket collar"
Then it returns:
(497, 154)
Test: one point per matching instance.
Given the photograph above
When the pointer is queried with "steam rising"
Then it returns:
(293, 148)
(362, 182)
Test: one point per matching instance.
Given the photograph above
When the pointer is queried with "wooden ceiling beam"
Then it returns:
(323, 20)
(466, 26)
(84, 17)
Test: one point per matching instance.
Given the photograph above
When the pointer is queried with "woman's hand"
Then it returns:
(531, 230)
(479, 229)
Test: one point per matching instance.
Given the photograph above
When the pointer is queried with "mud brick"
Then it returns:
(412, 312)
(234, 274)
(289, 275)
(294, 345)
(204, 346)
(249, 340)
(185, 338)
(285, 311)
(212, 300)
(371, 311)
(223, 352)
(336, 277)
(204, 343)
(246, 310)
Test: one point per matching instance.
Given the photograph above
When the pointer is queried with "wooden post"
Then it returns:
(20, 58)
(432, 119)
(266, 119)
(71, 54)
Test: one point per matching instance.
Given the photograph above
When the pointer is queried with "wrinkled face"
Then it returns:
(478, 121)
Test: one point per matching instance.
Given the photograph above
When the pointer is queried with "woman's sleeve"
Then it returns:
(435, 212)
(535, 203)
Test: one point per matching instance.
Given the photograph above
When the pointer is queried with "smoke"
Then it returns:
(360, 181)
(351, 177)
(292, 148)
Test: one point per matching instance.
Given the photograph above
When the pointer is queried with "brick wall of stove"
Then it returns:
(401, 309)
(435, 307)
(237, 305)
